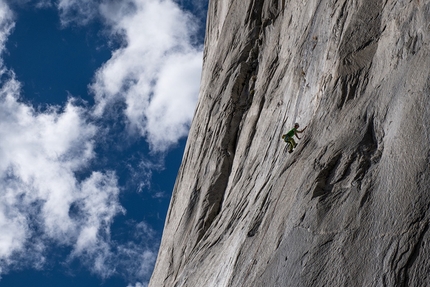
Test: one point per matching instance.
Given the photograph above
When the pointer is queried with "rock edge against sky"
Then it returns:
(350, 206)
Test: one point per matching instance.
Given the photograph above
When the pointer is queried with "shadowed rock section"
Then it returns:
(350, 206)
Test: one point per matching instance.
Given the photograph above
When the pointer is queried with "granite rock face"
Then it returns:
(350, 206)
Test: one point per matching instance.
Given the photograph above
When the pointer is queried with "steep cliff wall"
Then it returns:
(350, 206)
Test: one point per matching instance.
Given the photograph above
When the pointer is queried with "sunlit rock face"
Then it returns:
(350, 205)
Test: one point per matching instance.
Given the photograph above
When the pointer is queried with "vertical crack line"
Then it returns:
(241, 98)
(404, 271)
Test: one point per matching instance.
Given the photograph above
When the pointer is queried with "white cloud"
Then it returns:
(40, 154)
(156, 72)
(41, 199)
(78, 11)
(133, 260)
(6, 24)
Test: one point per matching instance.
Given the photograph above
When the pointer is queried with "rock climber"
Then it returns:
(288, 137)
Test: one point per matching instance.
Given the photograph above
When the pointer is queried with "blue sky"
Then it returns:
(96, 99)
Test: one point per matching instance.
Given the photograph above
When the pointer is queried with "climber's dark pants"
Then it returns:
(292, 143)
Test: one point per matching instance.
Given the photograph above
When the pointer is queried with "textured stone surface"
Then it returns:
(350, 206)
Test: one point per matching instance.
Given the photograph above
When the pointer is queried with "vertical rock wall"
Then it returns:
(350, 206)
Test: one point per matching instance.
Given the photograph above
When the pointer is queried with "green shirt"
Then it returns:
(291, 133)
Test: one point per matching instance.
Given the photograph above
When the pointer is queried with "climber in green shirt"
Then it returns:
(288, 137)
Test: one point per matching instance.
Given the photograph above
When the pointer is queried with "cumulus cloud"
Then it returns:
(156, 72)
(41, 195)
(40, 153)
(42, 200)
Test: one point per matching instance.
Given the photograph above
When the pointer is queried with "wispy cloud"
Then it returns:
(6, 25)
(76, 11)
(133, 259)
